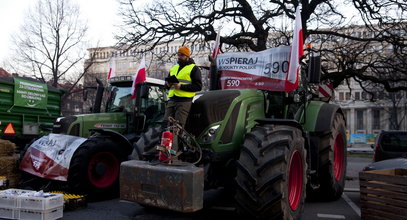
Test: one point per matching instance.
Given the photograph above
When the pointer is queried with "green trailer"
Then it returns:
(28, 109)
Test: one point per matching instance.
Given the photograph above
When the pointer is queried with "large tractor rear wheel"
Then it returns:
(333, 163)
(95, 168)
(271, 173)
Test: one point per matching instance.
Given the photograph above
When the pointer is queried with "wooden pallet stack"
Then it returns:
(383, 194)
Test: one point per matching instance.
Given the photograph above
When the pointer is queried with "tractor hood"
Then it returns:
(79, 125)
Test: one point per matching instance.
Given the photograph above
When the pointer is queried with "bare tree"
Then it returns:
(50, 44)
(256, 25)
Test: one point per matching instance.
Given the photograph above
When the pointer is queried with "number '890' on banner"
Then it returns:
(271, 63)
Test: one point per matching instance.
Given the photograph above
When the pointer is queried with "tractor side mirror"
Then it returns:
(314, 69)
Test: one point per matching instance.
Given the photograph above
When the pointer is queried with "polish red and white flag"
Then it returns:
(139, 77)
(297, 51)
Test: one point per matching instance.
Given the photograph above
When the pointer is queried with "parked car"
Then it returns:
(397, 163)
(390, 144)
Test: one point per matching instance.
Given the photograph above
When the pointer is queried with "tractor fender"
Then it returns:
(118, 138)
(319, 116)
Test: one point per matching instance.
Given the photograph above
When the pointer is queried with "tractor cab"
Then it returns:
(147, 106)
(122, 113)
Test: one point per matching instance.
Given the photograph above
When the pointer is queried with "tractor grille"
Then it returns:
(211, 107)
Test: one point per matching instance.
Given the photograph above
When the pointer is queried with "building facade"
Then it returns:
(367, 114)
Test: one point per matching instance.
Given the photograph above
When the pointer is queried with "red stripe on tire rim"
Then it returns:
(295, 180)
(338, 157)
(103, 169)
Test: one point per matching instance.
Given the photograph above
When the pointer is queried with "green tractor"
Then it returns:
(85, 151)
(269, 148)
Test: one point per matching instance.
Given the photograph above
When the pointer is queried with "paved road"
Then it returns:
(215, 207)
(348, 206)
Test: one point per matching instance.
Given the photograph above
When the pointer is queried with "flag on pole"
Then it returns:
(216, 48)
(139, 77)
(297, 51)
(112, 68)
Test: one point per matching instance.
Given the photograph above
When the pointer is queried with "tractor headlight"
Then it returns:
(59, 119)
(210, 134)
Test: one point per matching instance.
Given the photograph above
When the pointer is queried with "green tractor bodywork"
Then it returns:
(272, 148)
(244, 106)
(80, 125)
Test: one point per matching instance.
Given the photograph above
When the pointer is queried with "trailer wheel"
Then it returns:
(271, 173)
(95, 168)
(333, 171)
(146, 143)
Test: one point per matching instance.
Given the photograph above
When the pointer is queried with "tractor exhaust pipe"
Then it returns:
(99, 96)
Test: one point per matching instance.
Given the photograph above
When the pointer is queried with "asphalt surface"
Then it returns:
(217, 206)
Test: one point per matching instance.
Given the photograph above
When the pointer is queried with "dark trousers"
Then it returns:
(179, 110)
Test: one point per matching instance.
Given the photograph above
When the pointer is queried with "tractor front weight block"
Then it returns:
(178, 187)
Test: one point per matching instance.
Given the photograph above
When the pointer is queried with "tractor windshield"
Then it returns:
(119, 100)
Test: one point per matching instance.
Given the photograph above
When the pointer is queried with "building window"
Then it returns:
(359, 120)
(376, 119)
(364, 95)
(341, 96)
(347, 95)
(357, 96)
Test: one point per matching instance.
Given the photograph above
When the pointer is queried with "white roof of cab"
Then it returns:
(155, 81)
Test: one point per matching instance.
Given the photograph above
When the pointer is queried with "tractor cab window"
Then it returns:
(153, 106)
(119, 100)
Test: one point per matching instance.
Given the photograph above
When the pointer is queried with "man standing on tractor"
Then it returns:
(184, 80)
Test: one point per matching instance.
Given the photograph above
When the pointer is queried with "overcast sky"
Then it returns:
(100, 14)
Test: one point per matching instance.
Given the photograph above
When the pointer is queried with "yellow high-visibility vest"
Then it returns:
(184, 78)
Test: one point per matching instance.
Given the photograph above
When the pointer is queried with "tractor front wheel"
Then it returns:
(271, 173)
(95, 168)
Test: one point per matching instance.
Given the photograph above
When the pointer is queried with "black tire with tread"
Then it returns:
(262, 172)
(330, 188)
(78, 179)
(146, 143)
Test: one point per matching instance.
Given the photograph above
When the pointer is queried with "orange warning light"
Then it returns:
(9, 129)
